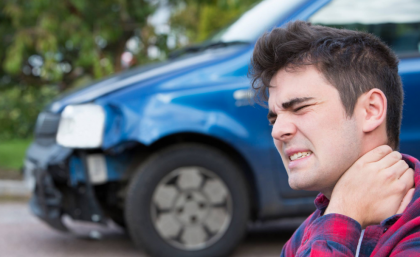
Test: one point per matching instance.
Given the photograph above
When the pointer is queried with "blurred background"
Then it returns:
(97, 153)
(50, 47)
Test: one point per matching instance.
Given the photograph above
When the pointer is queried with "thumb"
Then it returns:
(406, 201)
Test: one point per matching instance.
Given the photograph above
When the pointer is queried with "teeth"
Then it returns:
(300, 155)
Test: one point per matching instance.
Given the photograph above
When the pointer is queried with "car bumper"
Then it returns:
(46, 199)
(46, 167)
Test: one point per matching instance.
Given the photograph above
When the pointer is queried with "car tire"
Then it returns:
(187, 200)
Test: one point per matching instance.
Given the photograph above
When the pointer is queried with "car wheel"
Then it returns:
(187, 200)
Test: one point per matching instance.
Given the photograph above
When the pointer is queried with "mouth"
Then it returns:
(299, 155)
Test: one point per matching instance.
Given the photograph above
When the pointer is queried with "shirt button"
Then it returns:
(385, 229)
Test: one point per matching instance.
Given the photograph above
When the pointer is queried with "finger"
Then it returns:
(376, 154)
(398, 169)
(406, 201)
(389, 160)
(407, 178)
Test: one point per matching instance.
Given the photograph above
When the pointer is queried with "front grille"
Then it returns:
(46, 128)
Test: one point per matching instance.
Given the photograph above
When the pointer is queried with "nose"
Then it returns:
(283, 129)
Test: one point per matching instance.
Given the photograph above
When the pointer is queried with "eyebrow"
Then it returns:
(289, 104)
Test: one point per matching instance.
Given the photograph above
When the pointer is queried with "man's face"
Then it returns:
(311, 131)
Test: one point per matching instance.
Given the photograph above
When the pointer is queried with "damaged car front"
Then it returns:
(87, 143)
(65, 163)
(94, 149)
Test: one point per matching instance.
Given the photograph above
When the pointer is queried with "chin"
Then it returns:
(296, 185)
(301, 184)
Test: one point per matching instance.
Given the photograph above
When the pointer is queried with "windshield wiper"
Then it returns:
(204, 46)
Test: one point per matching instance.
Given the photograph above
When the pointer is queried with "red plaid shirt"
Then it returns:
(338, 235)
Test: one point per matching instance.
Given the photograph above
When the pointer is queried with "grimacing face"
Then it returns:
(317, 141)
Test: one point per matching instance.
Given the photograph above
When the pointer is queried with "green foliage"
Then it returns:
(216, 19)
(90, 36)
(12, 153)
(19, 108)
(198, 20)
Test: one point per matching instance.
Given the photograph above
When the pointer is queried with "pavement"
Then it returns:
(14, 189)
(23, 235)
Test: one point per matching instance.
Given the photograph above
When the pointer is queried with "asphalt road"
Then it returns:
(23, 235)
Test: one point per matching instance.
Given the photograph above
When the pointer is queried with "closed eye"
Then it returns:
(301, 107)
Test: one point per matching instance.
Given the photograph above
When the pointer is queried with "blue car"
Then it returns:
(177, 153)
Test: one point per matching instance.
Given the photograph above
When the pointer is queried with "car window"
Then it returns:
(397, 22)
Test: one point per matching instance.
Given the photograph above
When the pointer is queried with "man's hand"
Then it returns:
(374, 188)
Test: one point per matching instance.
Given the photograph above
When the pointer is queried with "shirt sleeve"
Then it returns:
(328, 235)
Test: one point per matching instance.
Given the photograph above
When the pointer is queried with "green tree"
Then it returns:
(49, 46)
(198, 20)
(71, 37)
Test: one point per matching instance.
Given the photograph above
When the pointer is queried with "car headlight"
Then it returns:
(81, 126)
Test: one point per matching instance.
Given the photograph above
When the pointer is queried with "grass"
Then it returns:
(12, 153)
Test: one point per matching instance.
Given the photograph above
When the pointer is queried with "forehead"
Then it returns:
(305, 81)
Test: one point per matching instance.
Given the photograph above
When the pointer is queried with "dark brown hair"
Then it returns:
(353, 62)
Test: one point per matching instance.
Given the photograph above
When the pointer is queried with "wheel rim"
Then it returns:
(191, 208)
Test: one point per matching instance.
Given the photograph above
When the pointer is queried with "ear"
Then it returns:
(374, 108)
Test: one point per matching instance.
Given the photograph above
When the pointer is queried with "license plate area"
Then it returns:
(97, 170)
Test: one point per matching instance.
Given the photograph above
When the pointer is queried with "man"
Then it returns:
(335, 104)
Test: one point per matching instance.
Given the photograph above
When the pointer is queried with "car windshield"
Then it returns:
(256, 21)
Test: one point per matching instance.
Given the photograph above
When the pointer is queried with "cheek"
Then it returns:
(279, 146)
(332, 135)
(323, 126)
(316, 130)
(340, 150)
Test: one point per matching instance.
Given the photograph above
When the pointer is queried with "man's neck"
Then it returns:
(327, 192)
